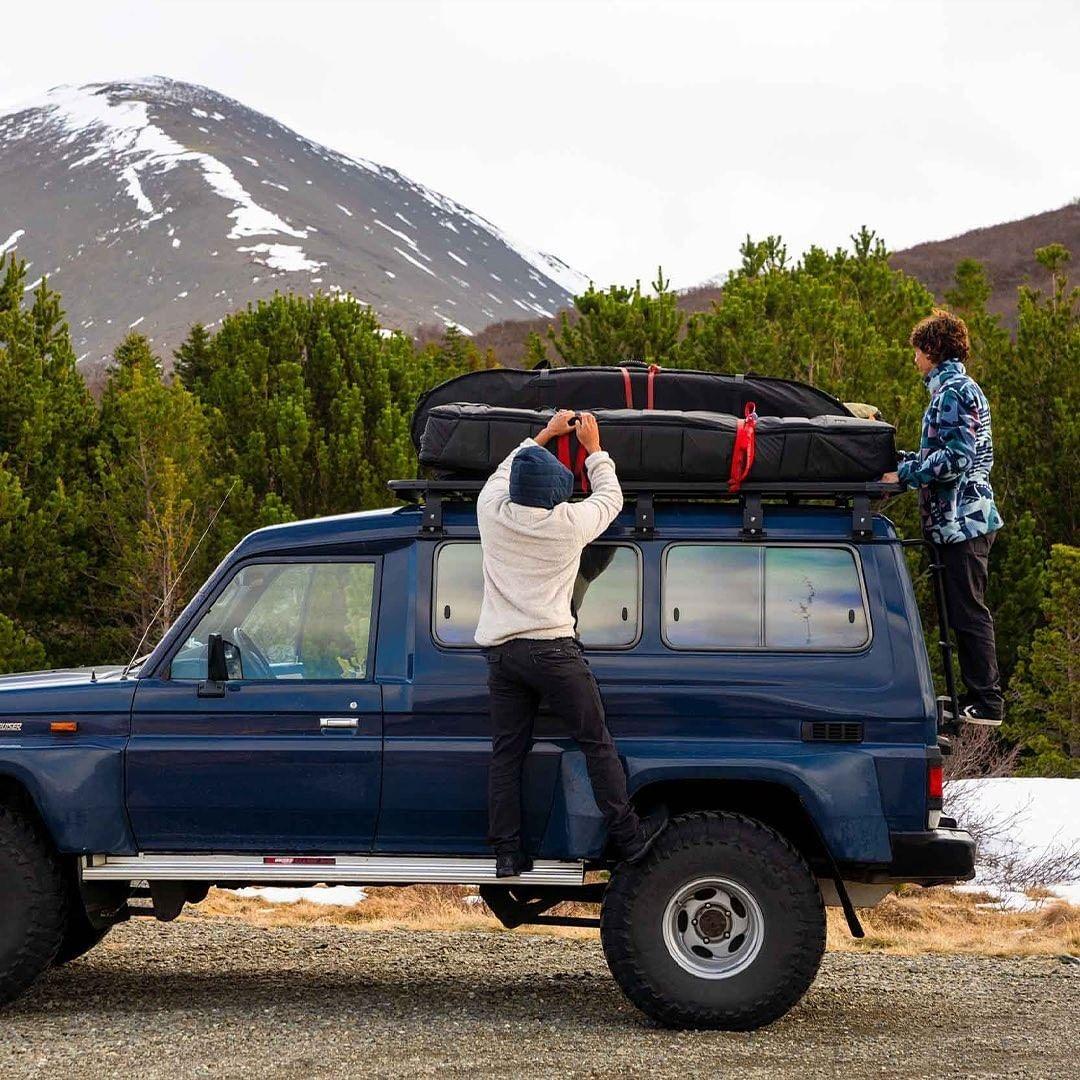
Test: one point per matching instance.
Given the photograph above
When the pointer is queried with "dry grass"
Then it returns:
(912, 920)
(915, 920)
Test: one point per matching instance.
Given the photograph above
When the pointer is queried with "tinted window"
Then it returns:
(288, 621)
(712, 596)
(813, 599)
(606, 595)
(727, 596)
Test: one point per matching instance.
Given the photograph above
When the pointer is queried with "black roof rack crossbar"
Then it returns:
(433, 494)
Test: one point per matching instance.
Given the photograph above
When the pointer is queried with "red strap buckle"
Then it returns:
(650, 398)
(742, 455)
(575, 463)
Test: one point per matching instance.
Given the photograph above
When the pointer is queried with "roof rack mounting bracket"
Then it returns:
(644, 515)
(753, 516)
(432, 520)
(862, 521)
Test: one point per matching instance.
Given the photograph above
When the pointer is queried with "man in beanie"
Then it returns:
(532, 538)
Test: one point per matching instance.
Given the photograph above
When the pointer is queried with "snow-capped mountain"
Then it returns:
(155, 204)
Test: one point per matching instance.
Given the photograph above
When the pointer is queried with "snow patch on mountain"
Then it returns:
(12, 240)
(123, 131)
(288, 257)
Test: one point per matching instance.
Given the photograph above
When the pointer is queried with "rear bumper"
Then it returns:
(935, 857)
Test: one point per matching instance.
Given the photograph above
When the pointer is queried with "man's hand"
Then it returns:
(560, 424)
(588, 432)
(890, 478)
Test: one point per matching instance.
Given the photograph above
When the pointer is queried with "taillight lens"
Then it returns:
(934, 781)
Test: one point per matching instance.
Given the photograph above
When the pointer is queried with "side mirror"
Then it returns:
(217, 670)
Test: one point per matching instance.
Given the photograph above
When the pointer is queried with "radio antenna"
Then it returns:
(172, 589)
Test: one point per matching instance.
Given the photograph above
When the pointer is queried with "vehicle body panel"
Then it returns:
(249, 771)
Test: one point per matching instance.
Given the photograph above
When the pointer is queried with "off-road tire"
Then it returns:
(33, 903)
(80, 936)
(740, 850)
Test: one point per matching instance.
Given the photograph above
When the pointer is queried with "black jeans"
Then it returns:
(965, 586)
(521, 673)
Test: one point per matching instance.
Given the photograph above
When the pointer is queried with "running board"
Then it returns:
(343, 869)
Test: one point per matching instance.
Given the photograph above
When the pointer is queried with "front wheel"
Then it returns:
(79, 938)
(721, 926)
(33, 903)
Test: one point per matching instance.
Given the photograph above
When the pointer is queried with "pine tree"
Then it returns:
(47, 423)
(620, 325)
(1046, 717)
(155, 494)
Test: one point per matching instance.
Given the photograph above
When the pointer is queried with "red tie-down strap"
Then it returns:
(575, 463)
(650, 393)
(742, 456)
(628, 389)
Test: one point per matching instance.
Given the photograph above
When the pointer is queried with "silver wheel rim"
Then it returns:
(713, 928)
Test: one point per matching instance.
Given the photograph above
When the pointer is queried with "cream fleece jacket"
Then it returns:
(532, 555)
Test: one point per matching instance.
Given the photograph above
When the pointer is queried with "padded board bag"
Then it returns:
(469, 441)
(631, 386)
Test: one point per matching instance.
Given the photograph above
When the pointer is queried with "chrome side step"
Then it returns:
(336, 869)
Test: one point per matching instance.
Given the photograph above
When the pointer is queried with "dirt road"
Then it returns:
(204, 997)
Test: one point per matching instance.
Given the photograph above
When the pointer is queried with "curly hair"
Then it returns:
(942, 336)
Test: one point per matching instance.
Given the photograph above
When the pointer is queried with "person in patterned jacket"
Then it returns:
(960, 518)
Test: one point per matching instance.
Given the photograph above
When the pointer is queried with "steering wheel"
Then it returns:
(251, 656)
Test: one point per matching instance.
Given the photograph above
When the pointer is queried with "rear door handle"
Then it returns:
(334, 723)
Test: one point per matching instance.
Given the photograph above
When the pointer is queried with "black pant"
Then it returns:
(521, 673)
(965, 586)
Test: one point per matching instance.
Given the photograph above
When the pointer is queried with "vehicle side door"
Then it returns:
(438, 736)
(286, 753)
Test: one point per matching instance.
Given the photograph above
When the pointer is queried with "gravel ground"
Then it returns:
(213, 996)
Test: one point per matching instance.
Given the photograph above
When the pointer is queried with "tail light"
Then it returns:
(934, 785)
(934, 789)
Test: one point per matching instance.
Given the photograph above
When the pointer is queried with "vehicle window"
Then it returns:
(712, 596)
(606, 599)
(813, 599)
(288, 621)
(728, 596)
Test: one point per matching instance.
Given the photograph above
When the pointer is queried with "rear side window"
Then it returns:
(728, 596)
(606, 599)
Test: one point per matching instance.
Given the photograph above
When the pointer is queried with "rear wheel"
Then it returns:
(33, 903)
(721, 926)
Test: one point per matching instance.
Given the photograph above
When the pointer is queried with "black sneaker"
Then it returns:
(512, 863)
(985, 715)
(648, 831)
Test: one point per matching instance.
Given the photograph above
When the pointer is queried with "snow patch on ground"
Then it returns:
(288, 257)
(329, 896)
(1043, 814)
(344, 209)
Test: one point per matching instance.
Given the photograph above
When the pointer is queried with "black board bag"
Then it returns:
(630, 386)
(469, 441)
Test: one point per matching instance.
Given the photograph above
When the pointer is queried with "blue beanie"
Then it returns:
(538, 478)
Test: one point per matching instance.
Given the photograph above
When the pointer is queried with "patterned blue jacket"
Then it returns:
(952, 468)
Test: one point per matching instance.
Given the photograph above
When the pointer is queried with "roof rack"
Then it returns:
(432, 494)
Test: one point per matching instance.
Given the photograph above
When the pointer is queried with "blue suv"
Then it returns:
(318, 713)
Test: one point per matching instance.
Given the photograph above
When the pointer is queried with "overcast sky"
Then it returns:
(620, 136)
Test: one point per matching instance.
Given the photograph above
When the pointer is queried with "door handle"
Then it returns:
(334, 723)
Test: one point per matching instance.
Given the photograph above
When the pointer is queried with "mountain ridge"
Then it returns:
(153, 204)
